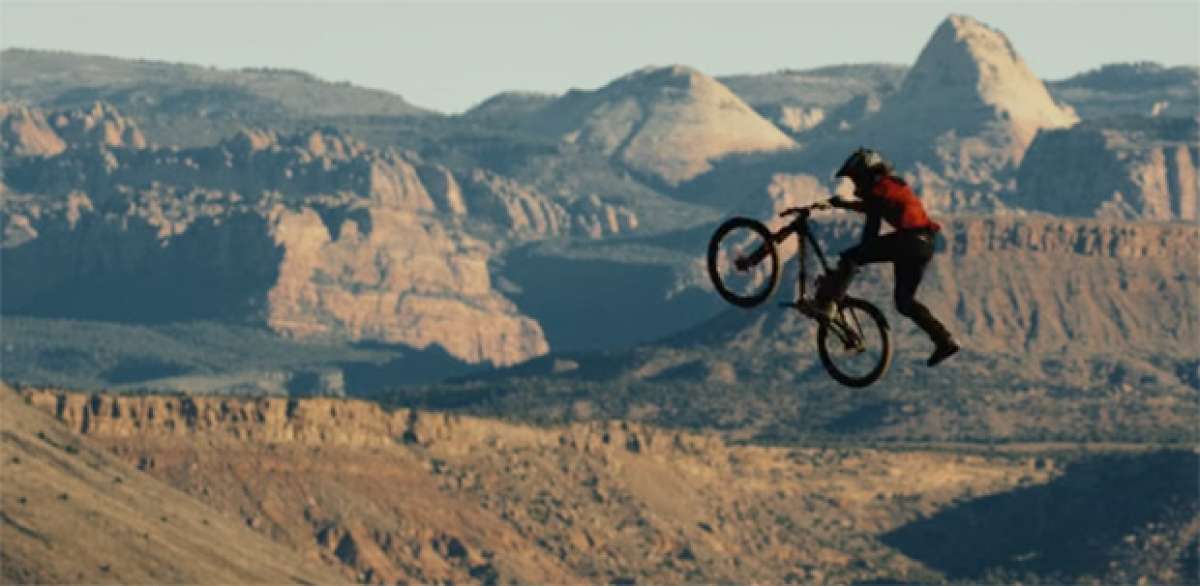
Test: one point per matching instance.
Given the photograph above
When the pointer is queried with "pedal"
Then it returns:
(803, 306)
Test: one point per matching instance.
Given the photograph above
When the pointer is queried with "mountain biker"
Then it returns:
(882, 195)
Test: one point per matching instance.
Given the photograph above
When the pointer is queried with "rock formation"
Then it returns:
(667, 123)
(964, 116)
(25, 132)
(370, 274)
(526, 213)
(100, 125)
(796, 119)
(311, 234)
(1131, 168)
(29, 132)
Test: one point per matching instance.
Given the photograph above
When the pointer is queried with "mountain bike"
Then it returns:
(743, 263)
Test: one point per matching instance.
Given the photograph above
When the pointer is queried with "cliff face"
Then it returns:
(341, 422)
(529, 214)
(397, 277)
(311, 235)
(1041, 285)
(358, 273)
(1049, 285)
(1132, 168)
(1072, 329)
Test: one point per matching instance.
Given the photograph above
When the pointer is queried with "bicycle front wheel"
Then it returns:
(855, 347)
(743, 262)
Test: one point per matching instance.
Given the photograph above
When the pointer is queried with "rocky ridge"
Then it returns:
(1132, 89)
(25, 132)
(189, 105)
(256, 165)
(1122, 168)
(800, 101)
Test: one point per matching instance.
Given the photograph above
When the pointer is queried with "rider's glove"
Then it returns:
(837, 201)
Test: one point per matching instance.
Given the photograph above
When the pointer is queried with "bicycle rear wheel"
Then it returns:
(749, 243)
(855, 347)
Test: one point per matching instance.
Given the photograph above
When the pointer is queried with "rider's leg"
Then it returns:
(908, 278)
(837, 281)
(909, 269)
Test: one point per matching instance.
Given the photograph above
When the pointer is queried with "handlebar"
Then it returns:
(820, 205)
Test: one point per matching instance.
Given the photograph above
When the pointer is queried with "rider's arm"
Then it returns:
(872, 225)
(857, 205)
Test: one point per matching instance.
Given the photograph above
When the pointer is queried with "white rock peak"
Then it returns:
(669, 122)
(969, 74)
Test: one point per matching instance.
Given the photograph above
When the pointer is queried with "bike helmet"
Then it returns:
(863, 161)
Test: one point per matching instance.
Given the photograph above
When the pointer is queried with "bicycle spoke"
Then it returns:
(747, 249)
(855, 351)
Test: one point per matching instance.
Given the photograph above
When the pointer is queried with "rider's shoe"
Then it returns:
(945, 349)
(809, 308)
(824, 309)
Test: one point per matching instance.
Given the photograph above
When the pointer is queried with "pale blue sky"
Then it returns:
(448, 56)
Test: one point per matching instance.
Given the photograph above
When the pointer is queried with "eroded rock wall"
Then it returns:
(367, 273)
(311, 234)
(349, 422)
(1128, 169)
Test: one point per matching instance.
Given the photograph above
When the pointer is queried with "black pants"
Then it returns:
(909, 251)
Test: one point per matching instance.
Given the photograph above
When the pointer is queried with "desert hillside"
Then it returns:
(409, 495)
(72, 512)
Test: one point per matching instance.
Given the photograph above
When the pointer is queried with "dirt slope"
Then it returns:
(431, 498)
(416, 496)
(72, 513)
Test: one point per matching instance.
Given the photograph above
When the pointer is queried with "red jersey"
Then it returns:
(896, 203)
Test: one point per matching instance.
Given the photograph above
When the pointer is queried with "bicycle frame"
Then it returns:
(800, 227)
(850, 336)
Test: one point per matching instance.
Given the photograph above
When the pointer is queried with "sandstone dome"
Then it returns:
(669, 123)
(963, 118)
(969, 75)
